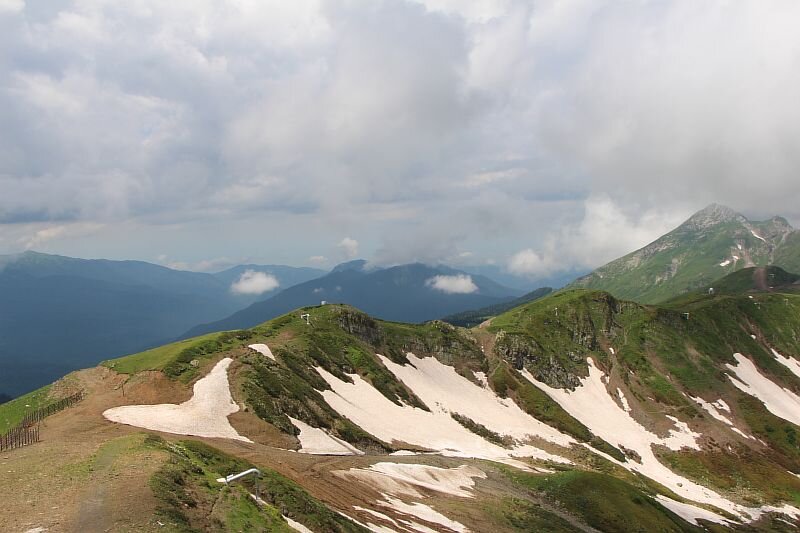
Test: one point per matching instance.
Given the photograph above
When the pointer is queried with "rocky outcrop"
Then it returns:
(559, 371)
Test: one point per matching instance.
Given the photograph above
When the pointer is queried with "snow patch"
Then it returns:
(623, 400)
(263, 349)
(404, 479)
(757, 236)
(444, 391)
(204, 415)
(722, 405)
(423, 512)
(711, 408)
(316, 441)
(297, 526)
(482, 379)
(691, 513)
(725, 263)
(789, 362)
(778, 401)
(591, 404)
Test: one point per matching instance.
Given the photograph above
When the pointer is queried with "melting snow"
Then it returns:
(482, 379)
(204, 415)
(711, 408)
(316, 441)
(592, 405)
(779, 401)
(725, 263)
(423, 512)
(263, 349)
(789, 362)
(624, 400)
(714, 409)
(757, 236)
(721, 404)
(691, 513)
(444, 391)
(393, 480)
(403, 479)
(297, 526)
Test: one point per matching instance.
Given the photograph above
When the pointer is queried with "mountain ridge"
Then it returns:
(711, 243)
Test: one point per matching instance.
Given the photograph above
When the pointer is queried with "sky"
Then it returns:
(539, 136)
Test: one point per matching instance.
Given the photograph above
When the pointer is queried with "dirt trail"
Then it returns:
(760, 279)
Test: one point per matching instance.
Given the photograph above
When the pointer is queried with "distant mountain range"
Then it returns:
(712, 243)
(474, 317)
(60, 313)
(406, 293)
(524, 283)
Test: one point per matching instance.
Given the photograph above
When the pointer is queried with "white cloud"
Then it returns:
(40, 238)
(254, 283)
(604, 233)
(317, 259)
(530, 263)
(348, 248)
(44, 235)
(11, 6)
(458, 284)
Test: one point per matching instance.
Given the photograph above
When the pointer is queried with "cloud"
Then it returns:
(348, 248)
(44, 235)
(11, 6)
(254, 283)
(41, 238)
(458, 284)
(530, 263)
(425, 127)
(604, 233)
(317, 259)
(204, 265)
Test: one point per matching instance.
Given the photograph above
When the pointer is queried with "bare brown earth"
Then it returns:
(88, 474)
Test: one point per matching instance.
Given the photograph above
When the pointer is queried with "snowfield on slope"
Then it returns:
(443, 391)
(316, 441)
(778, 401)
(397, 480)
(792, 364)
(263, 349)
(593, 405)
(404, 479)
(204, 415)
(691, 513)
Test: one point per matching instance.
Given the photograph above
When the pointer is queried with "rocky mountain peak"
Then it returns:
(712, 215)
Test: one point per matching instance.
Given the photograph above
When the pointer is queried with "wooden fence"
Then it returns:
(19, 436)
(27, 431)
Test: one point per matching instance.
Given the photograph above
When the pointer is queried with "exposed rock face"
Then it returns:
(524, 352)
(362, 326)
(712, 215)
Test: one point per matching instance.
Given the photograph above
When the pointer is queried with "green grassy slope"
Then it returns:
(712, 243)
(472, 318)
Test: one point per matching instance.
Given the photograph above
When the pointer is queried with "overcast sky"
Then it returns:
(541, 135)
